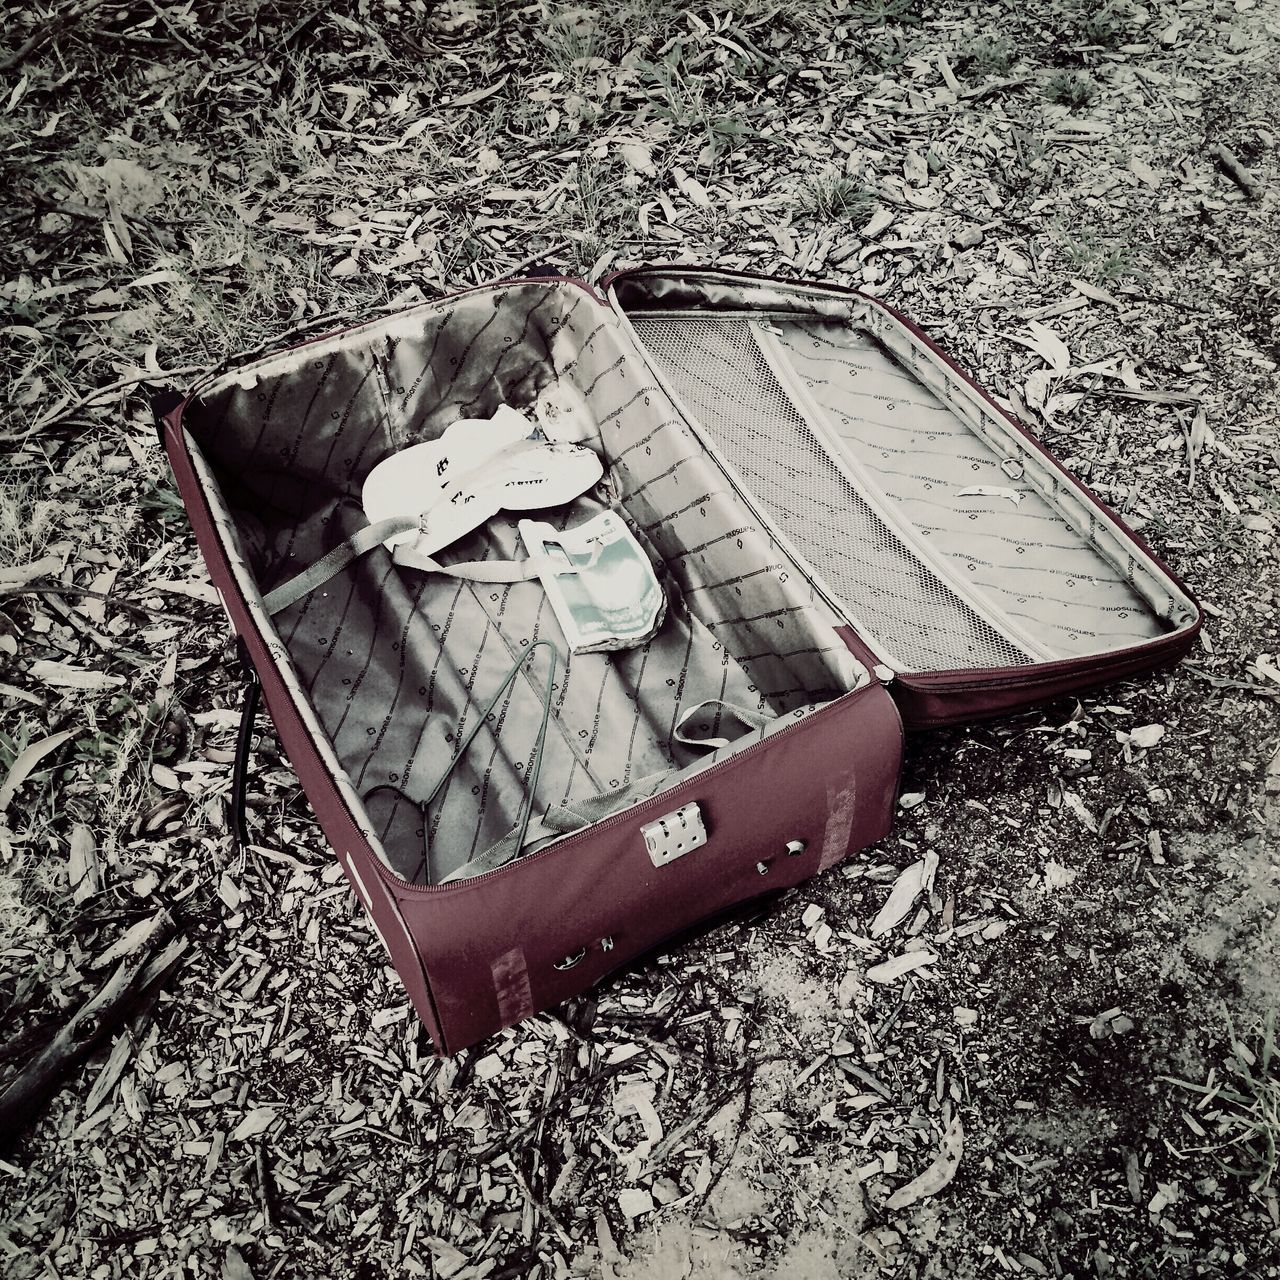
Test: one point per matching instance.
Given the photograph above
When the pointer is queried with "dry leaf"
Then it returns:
(64, 676)
(1146, 736)
(1047, 345)
(890, 970)
(991, 491)
(1143, 172)
(1078, 807)
(692, 189)
(19, 574)
(1098, 295)
(1263, 666)
(82, 863)
(937, 1175)
(881, 220)
(22, 768)
(906, 889)
(915, 169)
(168, 677)
(259, 1120)
(638, 156)
(1037, 388)
(479, 95)
(234, 1267)
(635, 1202)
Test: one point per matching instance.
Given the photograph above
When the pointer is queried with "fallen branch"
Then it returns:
(63, 412)
(1150, 397)
(1235, 169)
(25, 1096)
(44, 32)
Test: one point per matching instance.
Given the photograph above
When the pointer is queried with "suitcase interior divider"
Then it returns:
(934, 568)
(785, 470)
(941, 535)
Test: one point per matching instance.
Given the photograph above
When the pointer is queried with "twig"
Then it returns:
(83, 592)
(541, 1206)
(1235, 169)
(1149, 397)
(174, 32)
(1257, 688)
(1186, 429)
(748, 1083)
(266, 1185)
(22, 1100)
(541, 256)
(45, 31)
(85, 401)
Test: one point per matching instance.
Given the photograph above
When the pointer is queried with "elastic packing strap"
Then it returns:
(373, 535)
(519, 836)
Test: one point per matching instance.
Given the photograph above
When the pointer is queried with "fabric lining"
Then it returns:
(398, 663)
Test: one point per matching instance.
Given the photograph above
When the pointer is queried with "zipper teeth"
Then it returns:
(213, 380)
(1044, 672)
(738, 313)
(614, 819)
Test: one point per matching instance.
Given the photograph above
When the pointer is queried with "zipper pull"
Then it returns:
(882, 673)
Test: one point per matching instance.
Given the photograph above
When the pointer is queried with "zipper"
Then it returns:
(214, 379)
(738, 313)
(977, 678)
(631, 814)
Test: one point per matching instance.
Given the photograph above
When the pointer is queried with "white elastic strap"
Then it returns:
(470, 570)
(752, 720)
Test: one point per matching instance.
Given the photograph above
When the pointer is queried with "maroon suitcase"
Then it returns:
(850, 535)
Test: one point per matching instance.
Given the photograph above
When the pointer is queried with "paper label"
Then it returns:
(599, 580)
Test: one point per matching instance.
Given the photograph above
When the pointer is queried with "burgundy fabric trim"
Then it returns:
(511, 986)
(931, 699)
(337, 821)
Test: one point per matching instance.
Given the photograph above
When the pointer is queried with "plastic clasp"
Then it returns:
(675, 834)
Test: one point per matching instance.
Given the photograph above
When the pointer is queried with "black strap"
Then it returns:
(244, 744)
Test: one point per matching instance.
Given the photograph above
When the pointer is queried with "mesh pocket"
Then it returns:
(716, 368)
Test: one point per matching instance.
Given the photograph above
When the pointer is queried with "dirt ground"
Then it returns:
(1080, 203)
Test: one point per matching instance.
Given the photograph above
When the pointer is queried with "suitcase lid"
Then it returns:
(951, 543)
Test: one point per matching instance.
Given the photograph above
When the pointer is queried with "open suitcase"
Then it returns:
(849, 533)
